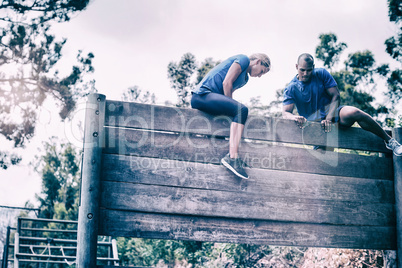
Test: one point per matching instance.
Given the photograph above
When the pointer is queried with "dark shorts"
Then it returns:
(336, 118)
(218, 104)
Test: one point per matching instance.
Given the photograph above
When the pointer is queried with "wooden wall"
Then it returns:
(161, 178)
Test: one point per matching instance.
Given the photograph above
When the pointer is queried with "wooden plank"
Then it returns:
(397, 160)
(148, 225)
(144, 116)
(188, 201)
(165, 172)
(259, 155)
(108, 266)
(283, 130)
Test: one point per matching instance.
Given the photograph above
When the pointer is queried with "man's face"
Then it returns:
(304, 70)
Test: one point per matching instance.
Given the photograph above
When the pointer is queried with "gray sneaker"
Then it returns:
(235, 165)
(393, 145)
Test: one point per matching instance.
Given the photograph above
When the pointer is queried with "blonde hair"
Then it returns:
(262, 57)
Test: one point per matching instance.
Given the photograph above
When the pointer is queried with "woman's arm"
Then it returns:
(231, 76)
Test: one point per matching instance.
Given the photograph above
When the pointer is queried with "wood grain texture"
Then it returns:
(167, 183)
(88, 218)
(183, 174)
(397, 160)
(173, 119)
(257, 154)
(187, 201)
(150, 225)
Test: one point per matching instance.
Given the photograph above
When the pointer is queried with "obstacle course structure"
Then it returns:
(44, 242)
(153, 172)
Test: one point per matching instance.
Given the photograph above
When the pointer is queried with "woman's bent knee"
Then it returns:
(241, 116)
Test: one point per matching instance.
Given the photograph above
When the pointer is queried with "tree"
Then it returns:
(394, 43)
(135, 94)
(355, 80)
(151, 252)
(7, 159)
(205, 67)
(273, 109)
(181, 74)
(41, 11)
(59, 168)
(394, 49)
(329, 50)
(28, 56)
(360, 66)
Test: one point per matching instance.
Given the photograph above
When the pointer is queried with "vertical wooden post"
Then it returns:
(88, 216)
(397, 134)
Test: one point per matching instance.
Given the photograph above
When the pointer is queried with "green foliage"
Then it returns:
(204, 68)
(42, 11)
(355, 81)
(329, 50)
(135, 94)
(394, 43)
(34, 52)
(59, 168)
(273, 109)
(395, 10)
(7, 160)
(180, 75)
(360, 66)
(241, 254)
(354, 97)
(151, 252)
(394, 49)
(170, 253)
(394, 81)
(28, 55)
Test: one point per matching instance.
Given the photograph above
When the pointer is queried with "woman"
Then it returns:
(214, 95)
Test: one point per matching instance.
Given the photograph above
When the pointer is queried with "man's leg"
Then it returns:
(348, 115)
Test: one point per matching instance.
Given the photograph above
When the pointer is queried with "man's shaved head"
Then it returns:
(306, 57)
(305, 67)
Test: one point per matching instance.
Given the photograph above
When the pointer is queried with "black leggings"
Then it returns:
(218, 104)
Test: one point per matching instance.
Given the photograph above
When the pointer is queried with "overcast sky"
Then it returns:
(134, 40)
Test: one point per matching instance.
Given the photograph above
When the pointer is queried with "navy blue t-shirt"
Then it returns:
(311, 98)
(213, 81)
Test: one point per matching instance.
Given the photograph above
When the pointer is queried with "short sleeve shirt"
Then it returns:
(311, 98)
(213, 81)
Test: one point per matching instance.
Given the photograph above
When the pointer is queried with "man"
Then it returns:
(316, 96)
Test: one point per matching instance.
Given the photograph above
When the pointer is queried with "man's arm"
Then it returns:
(333, 92)
(287, 113)
(231, 76)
